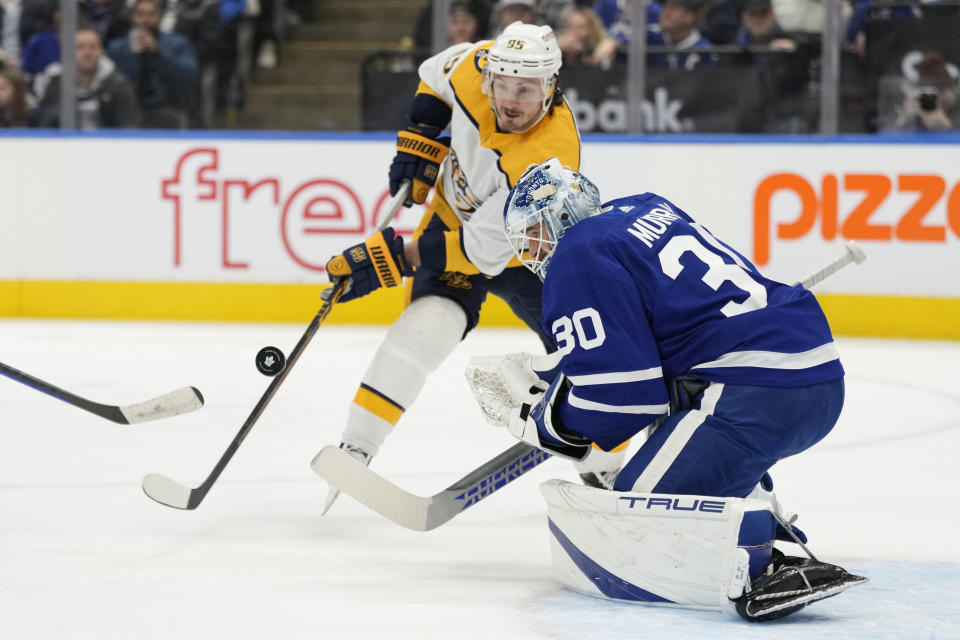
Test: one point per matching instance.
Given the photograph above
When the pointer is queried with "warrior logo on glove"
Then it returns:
(385, 269)
(419, 154)
(378, 262)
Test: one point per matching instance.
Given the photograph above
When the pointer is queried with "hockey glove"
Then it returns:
(419, 154)
(534, 423)
(378, 262)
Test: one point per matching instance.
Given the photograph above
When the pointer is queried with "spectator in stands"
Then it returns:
(582, 33)
(266, 41)
(39, 25)
(759, 28)
(931, 103)
(806, 16)
(161, 66)
(422, 37)
(41, 49)
(779, 103)
(216, 29)
(36, 16)
(462, 24)
(105, 98)
(722, 22)
(506, 12)
(676, 26)
(865, 11)
(554, 12)
(108, 17)
(10, 31)
(611, 12)
(13, 98)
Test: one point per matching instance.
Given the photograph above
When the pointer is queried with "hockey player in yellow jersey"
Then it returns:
(504, 111)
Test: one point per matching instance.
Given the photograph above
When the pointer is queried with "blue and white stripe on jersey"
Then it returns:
(589, 392)
(618, 376)
(580, 403)
(614, 403)
(642, 294)
(824, 354)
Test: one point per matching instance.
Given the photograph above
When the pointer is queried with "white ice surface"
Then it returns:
(85, 555)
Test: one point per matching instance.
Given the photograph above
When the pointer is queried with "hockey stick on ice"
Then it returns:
(171, 404)
(423, 513)
(173, 494)
(415, 512)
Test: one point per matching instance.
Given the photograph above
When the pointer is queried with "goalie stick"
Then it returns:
(171, 404)
(423, 513)
(852, 253)
(171, 493)
(418, 513)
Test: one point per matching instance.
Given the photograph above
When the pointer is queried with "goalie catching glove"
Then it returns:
(378, 262)
(512, 393)
(419, 154)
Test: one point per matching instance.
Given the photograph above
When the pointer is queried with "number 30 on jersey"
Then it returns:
(584, 328)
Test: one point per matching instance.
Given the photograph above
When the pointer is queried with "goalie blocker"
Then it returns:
(681, 550)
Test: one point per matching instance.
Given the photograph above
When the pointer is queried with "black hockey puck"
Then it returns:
(270, 361)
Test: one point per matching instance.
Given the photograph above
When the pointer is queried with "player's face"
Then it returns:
(539, 240)
(519, 102)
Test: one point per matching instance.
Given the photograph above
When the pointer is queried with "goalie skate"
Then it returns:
(793, 584)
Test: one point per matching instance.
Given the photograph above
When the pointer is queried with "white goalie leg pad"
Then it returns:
(675, 550)
(414, 346)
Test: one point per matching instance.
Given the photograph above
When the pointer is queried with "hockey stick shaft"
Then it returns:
(171, 493)
(171, 404)
(852, 253)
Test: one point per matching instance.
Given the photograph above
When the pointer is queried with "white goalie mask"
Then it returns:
(524, 51)
(547, 200)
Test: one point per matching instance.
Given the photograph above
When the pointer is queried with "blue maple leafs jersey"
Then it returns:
(641, 294)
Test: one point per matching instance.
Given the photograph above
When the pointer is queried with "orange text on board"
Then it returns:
(854, 224)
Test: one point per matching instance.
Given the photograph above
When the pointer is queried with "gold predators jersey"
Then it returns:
(484, 163)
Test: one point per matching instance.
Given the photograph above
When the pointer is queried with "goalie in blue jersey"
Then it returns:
(662, 327)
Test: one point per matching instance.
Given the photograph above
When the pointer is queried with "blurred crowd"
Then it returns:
(685, 35)
(186, 63)
(169, 64)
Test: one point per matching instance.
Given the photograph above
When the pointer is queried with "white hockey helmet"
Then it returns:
(553, 195)
(524, 51)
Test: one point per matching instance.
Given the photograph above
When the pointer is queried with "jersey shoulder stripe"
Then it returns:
(435, 71)
(642, 409)
(466, 83)
(423, 87)
(773, 360)
(617, 377)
